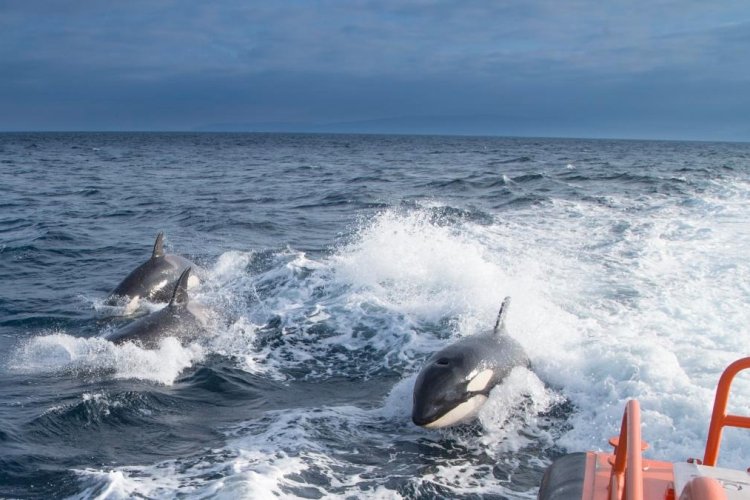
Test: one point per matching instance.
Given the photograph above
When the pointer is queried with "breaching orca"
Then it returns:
(178, 319)
(153, 280)
(456, 381)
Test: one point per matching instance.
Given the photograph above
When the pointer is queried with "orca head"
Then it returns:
(131, 288)
(449, 390)
(456, 381)
(148, 281)
(143, 280)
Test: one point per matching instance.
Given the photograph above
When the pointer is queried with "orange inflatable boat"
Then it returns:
(625, 475)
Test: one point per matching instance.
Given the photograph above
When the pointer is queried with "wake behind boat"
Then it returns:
(336, 265)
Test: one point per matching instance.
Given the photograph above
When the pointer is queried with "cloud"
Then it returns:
(364, 38)
(156, 64)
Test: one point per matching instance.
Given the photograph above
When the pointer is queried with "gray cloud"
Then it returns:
(168, 64)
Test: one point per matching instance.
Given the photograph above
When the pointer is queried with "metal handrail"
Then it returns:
(626, 480)
(719, 417)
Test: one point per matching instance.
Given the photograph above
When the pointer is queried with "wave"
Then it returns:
(340, 451)
(60, 352)
(612, 294)
(93, 412)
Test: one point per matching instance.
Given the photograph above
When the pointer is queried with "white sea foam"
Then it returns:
(273, 456)
(120, 484)
(610, 304)
(88, 357)
(611, 301)
(412, 266)
(655, 306)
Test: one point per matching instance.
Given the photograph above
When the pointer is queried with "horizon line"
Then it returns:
(399, 134)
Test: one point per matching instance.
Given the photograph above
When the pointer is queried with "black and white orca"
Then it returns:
(153, 280)
(180, 319)
(456, 381)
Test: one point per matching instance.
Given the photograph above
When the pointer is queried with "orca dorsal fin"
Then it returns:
(500, 323)
(158, 246)
(180, 294)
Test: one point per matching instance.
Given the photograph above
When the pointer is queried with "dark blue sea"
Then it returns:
(334, 266)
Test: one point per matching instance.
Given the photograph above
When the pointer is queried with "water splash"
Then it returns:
(96, 357)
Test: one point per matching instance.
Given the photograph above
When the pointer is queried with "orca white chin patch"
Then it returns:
(479, 382)
(462, 412)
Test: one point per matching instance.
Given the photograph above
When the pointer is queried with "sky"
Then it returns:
(549, 68)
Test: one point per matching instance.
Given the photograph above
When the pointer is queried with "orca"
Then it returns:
(456, 381)
(179, 319)
(153, 280)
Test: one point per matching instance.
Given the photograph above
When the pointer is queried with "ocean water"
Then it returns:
(335, 265)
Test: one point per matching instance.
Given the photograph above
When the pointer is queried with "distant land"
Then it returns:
(621, 126)
(435, 124)
(501, 125)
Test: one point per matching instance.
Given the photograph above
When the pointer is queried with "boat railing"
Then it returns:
(626, 479)
(719, 417)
